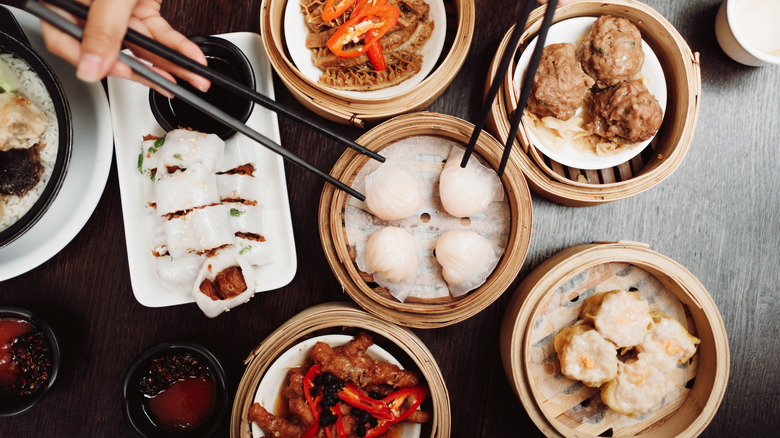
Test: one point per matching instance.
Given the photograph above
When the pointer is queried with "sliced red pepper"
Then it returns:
(339, 424)
(380, 17)
(365, 3)
(314, 403)
(377, 408)
(375, 52)
(394, 401)
(330, 12)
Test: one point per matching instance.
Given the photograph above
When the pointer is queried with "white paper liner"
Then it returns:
(575, 402)
(424, 157)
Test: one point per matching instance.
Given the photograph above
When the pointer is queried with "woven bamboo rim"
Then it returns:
(335, 316)
(701, 404)
(358, 112)
(433, 313)
(683, 77)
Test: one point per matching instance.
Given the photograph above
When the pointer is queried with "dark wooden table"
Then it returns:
(718, 215)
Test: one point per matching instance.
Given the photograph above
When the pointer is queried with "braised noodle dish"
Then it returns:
(365, 45)
(343, 392)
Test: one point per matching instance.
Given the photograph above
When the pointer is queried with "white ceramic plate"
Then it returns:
(573, 31)
(87, 171)
(295, 32)
(133, 119)
(269, 390)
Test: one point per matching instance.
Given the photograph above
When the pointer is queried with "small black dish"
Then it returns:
(136, 406)
(222, 56)
(17, 404)
(13, 40)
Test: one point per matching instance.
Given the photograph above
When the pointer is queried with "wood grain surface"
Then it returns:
(718, 215)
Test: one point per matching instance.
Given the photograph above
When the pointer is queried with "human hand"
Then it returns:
(95, 57)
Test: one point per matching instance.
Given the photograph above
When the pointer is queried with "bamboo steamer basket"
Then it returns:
(420, 313)
(329, 318)
(577, 187)
(588, 268)
(358, 112)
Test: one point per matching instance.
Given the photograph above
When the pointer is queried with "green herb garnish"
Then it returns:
(177, 156)
(158, 143)
(632, 43)
(141, 163)
(236, 212)
(244, 249)
(602, 51)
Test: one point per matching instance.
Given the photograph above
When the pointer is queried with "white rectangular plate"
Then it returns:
(132, 119)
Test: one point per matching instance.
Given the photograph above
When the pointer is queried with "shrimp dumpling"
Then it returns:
(391, 256)
(392, 194)
(638, 389)
(585, 355)
(620, 316)
(467, 191)
(466, 258)
(667, 343)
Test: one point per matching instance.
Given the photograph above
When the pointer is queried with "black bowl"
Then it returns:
(136, 407)
(225, 57)
(13, 405)
(13, 40)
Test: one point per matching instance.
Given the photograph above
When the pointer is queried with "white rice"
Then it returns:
(31, 86)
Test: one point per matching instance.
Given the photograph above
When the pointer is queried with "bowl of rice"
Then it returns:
(35, 135)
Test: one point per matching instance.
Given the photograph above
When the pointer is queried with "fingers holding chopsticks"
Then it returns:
(104, 30)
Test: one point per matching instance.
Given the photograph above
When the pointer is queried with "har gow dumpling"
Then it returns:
(392, 194)
(466, 258)
(467, 191)
(391, 255)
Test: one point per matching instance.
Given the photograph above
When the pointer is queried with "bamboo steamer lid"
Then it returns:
(557, 283)
(358, 112)
(436, 312)
(337, 317)
(576, 187)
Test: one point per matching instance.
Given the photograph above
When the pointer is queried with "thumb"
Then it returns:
(103, 33)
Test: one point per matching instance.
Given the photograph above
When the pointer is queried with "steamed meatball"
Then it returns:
(612, 51)
(560, 84)
(627, 111)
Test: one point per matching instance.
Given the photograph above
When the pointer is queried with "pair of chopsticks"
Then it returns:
(528, 80)
(193, 99)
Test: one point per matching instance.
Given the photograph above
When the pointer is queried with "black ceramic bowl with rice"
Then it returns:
(35, 133)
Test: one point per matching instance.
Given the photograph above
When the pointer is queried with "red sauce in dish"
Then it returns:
(10, 328)
(186, 404)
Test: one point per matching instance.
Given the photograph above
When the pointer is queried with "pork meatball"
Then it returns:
(560, 84)
(627, 111)
(612, 51)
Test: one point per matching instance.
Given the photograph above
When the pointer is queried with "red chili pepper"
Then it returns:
(314, 403)
(377, 408)
(394, 401)
(365, 3)
(380, 17)
(329, 12)
(375, 53)
(339, 424)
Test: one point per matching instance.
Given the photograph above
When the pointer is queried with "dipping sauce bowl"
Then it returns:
(175, 389)
(29, 360)
(224, 57)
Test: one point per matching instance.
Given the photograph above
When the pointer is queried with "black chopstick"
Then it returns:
(501, 73)
(79, 10)
(201, 104)
(528, 82)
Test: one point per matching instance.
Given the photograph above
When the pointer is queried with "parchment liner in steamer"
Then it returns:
(561, 308)
(423, 157)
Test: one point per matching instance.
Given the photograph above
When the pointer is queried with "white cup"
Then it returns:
(748, 31)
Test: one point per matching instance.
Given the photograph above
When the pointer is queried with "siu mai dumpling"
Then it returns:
(392, 194)
(620, 316)
(467, 191)
(585, 355)
(466, 259)
(226, 280)
(638, 389)
(667, 344)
